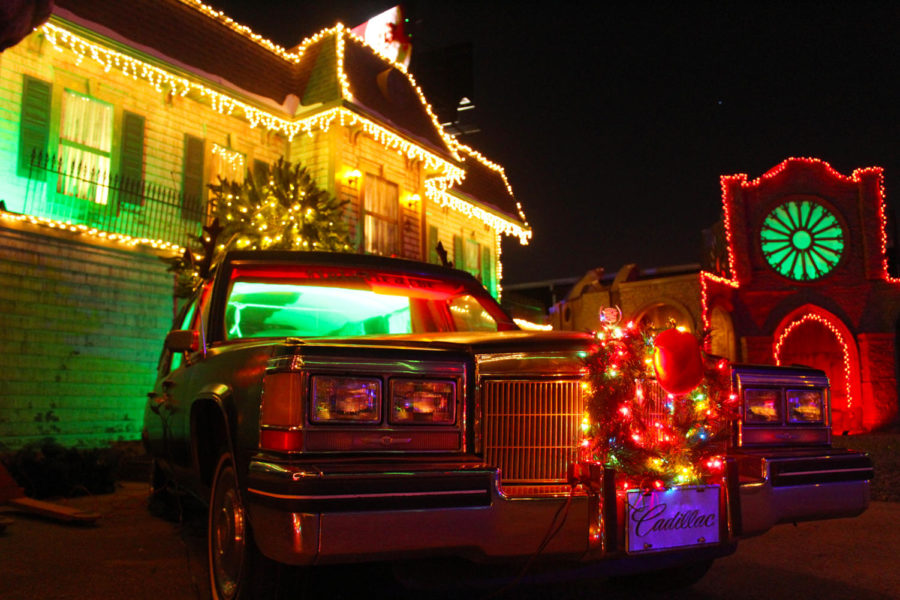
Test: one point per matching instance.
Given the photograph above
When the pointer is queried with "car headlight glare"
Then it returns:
(423, 401)
(345, 399)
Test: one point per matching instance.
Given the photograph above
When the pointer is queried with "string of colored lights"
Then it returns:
(652, 439)
(119, 238)
(845, 348)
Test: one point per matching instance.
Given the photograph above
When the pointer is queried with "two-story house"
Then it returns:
(115, 116)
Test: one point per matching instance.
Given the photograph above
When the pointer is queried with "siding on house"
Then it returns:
(80, 331)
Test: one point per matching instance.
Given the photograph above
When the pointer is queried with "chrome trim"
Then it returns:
(481, 492)
(568, 363)
(825, 472)
(532, 427)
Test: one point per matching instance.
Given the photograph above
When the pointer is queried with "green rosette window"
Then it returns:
(802, 240)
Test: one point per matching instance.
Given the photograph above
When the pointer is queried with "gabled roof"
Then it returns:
(332, 69)
(486, 183)
(314, 72)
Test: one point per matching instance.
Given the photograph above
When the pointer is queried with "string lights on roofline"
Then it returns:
(99, 234)
(743, 180)
(162, 80)
(496, 168)
(705, 278)
(495, 222)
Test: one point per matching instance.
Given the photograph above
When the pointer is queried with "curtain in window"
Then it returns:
(381, 215)
(85, 141)
(472, 258)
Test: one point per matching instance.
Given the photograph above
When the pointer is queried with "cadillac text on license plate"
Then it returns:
(675, 518)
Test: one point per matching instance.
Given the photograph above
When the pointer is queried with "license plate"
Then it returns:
(677, 518)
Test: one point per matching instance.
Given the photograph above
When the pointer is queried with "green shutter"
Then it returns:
(131, 159)
(34, 126)
(192, 180)
(487, 272)
(432, 243)
(260, 170)
(459, 255)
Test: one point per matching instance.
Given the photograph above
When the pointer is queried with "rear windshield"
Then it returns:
(330, 302)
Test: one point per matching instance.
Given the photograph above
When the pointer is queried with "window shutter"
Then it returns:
(459, 255)
(260, 169)
(34, 126)
(487, 272)
(192, 181)
(432, 242)
(131, 159)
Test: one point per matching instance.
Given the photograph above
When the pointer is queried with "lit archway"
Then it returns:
(814, 337)
(662, 314)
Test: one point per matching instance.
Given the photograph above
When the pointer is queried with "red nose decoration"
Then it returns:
(677, 361)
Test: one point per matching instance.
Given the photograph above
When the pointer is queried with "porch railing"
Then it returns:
(77, 193)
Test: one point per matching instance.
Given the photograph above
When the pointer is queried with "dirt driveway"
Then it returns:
(131, 554)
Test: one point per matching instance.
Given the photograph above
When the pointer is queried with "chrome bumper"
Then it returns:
(305, 517)
(801, 486)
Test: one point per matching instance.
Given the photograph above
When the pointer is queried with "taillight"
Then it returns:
(281, 412)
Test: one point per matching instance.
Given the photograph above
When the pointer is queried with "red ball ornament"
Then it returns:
(677, 361)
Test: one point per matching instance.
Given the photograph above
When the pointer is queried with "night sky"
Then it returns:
(615, 121)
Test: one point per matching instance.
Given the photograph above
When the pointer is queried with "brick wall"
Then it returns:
(80, 333)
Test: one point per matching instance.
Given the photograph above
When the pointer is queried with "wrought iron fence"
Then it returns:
(78, 193)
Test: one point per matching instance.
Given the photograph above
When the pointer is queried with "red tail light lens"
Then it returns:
(281, 440)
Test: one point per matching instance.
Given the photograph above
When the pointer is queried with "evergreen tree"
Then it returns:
(281, 209)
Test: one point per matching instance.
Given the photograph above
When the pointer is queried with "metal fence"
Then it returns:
(78, 193)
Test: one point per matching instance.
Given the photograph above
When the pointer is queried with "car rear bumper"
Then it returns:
(803, 485)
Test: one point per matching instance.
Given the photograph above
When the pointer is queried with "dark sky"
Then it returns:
(614, 121)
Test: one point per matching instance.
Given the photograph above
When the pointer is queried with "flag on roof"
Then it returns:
(386, 32)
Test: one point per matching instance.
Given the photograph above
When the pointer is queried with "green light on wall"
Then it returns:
(802, 240)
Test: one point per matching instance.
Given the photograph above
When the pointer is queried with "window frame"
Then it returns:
(368, 245)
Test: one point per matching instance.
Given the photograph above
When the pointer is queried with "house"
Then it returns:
(113, 122)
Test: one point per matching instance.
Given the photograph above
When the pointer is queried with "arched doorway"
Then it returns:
(818, 339)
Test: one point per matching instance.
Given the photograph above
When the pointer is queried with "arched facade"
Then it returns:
(814, 337)
(808, 281)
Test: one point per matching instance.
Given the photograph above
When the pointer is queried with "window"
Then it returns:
(342, 302)
(380, 216)
(472, 259)
(85, 142)
(226, 164)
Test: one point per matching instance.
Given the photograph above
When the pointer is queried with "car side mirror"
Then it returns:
(183, 340)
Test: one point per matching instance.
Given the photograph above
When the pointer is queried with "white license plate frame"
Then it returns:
(673, 519)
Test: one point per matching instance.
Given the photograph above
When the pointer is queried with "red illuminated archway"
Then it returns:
(815, 337)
